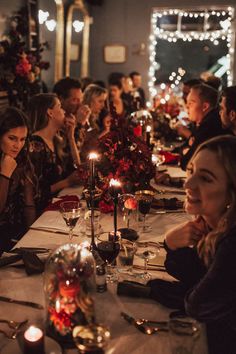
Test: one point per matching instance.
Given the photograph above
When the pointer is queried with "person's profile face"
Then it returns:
(115, 92)
(195, 107)
(137, 81)
(224, 114)
(72, 103)
(98, 103)
(206, 186)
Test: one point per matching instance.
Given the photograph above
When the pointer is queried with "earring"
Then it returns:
(228, 206)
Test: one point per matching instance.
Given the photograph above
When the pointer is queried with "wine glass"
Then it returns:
(70, 212)
(127, 204)
(108, 247)
(145, 198)
(147, 251)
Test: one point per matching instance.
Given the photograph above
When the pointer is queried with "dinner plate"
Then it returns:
(51, 347)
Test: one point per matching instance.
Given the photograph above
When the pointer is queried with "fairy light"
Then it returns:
(225, 34)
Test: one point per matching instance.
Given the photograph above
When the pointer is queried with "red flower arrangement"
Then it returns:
(124, 157)
(19, 67)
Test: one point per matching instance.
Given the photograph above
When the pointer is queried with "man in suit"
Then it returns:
(137, 82)
(202, 102)
(228, 109)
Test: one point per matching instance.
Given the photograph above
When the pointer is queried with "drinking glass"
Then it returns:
(144, 198)
(183, 333)
(147, 251)
(70, 212)
(108, 247)
(128, 205)
(125, 257)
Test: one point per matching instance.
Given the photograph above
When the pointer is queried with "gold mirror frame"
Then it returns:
(78, 5)
(59, 52)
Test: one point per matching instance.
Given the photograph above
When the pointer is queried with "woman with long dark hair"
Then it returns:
(17, 187)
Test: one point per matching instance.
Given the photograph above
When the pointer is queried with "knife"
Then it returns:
(138, 323)
(167, 211)
(128, 318)
(21, 302)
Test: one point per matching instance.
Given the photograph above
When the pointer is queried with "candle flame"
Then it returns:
(148, 128)
(33, 334)
(154, 159)
(93, 156)
(114, 183)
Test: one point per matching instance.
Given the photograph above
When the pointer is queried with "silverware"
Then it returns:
(167, 211)
(146, 326)
(51, 231)
(154, 268)
(21, 302)
(13, 324)
(12, 335)
(169, 191)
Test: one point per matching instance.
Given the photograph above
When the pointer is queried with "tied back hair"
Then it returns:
(224, 147)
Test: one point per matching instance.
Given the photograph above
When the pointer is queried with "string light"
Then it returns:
(224, 34)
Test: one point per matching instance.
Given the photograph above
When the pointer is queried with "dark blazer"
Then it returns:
(210, 127)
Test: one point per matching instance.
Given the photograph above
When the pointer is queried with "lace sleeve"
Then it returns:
(4, 187)
(29, 202)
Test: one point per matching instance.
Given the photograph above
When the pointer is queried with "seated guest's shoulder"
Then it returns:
(36, 144)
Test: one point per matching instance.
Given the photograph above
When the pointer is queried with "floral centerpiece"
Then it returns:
(20, 68)
(68, 284)
(123, 157)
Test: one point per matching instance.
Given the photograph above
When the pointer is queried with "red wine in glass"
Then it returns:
(108, 250)
(144, 206)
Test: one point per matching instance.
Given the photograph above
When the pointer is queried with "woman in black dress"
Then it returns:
(17, 185)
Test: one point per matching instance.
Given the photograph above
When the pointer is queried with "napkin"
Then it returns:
(169, 294)
(32, 263)
(167, 203)
(170, 158)
(64, 198)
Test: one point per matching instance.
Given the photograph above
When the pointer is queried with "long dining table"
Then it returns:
(125, 338)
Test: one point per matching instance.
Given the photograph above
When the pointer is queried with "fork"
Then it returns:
(12, 335)
(14, 324)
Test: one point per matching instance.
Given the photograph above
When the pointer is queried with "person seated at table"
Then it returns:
(17, 209)
(120, 106)
(228, 109)
(95, 98)
(202, 109)
(201, 253)
(93, 136)
(137, 82)
(51, 163)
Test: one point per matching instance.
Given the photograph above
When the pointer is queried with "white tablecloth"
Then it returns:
(125, 338)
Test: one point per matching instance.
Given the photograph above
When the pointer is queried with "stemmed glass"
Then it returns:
(108, 247)
(127, 204)
(70, 212)
(147, 251)
(145, 198)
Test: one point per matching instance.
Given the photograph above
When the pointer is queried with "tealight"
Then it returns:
(34, 341)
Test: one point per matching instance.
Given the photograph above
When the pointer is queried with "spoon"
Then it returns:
(12, 335)
(13, 324)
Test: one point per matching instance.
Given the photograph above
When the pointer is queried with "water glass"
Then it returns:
(97, 226)
(125, 257)
(183, 332)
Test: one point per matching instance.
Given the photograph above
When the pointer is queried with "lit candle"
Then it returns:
(148, 135)
(33, 341)
(92, 157)
(114, 189)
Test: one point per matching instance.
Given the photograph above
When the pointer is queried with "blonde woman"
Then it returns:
(201, 253)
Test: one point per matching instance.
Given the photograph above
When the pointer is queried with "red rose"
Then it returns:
(130, 203)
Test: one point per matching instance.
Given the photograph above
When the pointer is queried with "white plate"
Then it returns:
(51, 347)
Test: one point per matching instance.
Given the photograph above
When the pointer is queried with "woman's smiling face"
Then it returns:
(206, 187)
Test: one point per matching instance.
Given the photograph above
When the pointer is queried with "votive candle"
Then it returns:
(34, 341)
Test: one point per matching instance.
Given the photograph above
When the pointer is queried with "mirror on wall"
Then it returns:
(184, 43)
(77, 40)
